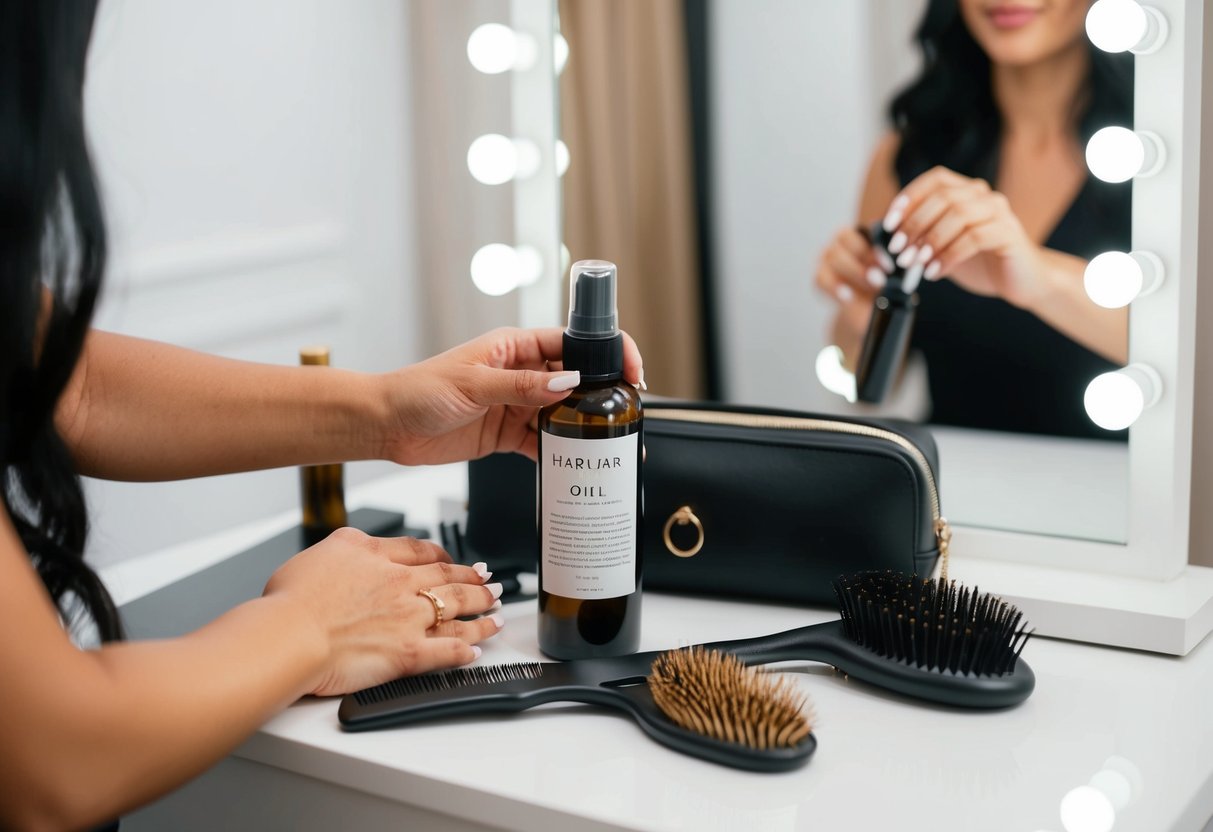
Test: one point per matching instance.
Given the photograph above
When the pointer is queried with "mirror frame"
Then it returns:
(1143, 593)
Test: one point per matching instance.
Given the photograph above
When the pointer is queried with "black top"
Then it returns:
(994, 366)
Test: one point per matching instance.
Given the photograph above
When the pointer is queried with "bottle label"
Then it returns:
(590, 508)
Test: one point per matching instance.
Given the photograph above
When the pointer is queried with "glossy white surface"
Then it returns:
(1138, 725)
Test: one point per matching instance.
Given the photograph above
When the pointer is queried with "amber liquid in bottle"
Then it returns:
(591, 487)
(322, 487)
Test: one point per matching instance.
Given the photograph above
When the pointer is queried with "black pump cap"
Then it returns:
(593, 343)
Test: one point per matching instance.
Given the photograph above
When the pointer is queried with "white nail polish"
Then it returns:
(497, 620)
(642, 385)
(907, 257)
(876, 277)
(925, 254)
(933, 270)
(481, 569)
(564, 381)
(494, 589)
(894, 216)
(476, 652)
(913, 276)
(884, 260)
(898, 242)
(844, 293)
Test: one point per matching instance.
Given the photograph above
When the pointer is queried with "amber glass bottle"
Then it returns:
(590, 486)
(322, 487)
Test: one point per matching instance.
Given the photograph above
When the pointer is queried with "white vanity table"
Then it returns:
(1140, 724)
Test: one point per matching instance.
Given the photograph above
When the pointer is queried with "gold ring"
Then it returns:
(439, 606)
(682, 517)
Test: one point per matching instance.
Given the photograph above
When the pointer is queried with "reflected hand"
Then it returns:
(849, 273)
(481, 397)
(361, 593)
(956, 227)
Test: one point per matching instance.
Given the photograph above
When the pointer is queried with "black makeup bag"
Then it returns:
(750, 502)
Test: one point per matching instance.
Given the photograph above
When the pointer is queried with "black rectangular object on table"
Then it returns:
(185, 605)
(761, 503)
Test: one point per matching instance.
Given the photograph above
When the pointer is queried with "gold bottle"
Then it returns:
(322, 487)
(590, 486)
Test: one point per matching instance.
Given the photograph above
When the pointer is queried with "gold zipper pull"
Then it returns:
(943, 534)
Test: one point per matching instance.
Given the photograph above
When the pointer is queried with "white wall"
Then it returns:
(255, 160)
(798, 91)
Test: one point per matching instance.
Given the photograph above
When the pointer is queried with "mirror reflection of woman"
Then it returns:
(984, 182)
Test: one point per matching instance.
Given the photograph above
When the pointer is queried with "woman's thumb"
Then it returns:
(525, 387)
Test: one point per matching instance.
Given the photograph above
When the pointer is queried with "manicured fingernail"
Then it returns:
(933, 270)
(482, 569)
(925, 254)
(913, 276)
(876, 278)
(898, 242)
(884, 260)
(564, 381)
(893, 218)
(844, 293)
(494, 589)
(907, 256)
(642, 385)
(497, 620)
(476, 652)
(496, 606)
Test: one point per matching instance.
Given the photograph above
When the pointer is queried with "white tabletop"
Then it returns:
(1138, 725)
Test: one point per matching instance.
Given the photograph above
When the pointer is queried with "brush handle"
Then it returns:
(828, 643)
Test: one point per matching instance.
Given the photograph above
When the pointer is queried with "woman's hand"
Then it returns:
(956, 227)
(363, 594)
(481, 397)
(849, 273)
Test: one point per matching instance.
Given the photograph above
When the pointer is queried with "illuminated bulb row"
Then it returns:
(1115, 279)
(494, 48)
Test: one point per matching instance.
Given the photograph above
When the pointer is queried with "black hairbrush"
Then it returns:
(922, 638)
(888, 335)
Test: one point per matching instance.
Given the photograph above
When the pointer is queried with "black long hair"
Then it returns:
(947, 116)
(52, 255)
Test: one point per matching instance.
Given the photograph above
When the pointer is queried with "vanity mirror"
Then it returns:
(1092, 538)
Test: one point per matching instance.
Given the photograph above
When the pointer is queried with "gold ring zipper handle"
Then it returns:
(682, 517)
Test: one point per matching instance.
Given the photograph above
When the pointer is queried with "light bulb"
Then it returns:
(1087, 809)
(1115, 279)
(560, 52)
(527, 154)
(562, 157)
(493, 159)
(530, 265)
(1114, 785)
(1117, 154)
(833, 375)
(1126, 26)
(1115, 400)
(496, 269)
(492, 48)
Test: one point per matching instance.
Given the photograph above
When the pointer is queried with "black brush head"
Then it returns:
(931, 624)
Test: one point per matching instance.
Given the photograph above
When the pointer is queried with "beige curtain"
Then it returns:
(628, 193)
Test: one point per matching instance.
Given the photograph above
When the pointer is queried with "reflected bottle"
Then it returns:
(322, 487)
(590, 486)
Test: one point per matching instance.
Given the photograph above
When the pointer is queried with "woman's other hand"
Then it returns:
(848, 272)
(481, 397)
(956, 227)
(363, 595)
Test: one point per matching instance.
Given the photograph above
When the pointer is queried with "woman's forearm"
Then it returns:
(89, 735)
(1063, 304)
(143, 410)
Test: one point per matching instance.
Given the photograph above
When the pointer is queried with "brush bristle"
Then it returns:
(459, 677)
(712, 693)
(931, 624)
